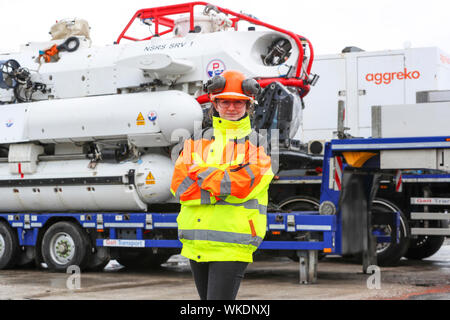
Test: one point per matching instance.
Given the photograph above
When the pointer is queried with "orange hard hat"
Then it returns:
(232, 85)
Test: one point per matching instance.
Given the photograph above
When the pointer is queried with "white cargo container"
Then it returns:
(364, 79)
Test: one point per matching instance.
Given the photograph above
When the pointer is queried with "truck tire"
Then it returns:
(422, 247)
(65, 244)
(141, 259)
(389, 254)
(9, 246)
(26, 258)
(300, 203)
(99, 259)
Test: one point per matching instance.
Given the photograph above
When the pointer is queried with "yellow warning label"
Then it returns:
(150, 179)
(140, 121)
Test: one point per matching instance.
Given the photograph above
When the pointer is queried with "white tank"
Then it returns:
(72, 186)
(145, 119)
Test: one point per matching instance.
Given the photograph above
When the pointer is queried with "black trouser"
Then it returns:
(218, 280)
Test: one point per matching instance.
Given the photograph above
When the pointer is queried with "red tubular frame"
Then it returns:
(289, 82)
(159, 14)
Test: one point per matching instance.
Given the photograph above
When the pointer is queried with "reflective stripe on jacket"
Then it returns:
(221, 179)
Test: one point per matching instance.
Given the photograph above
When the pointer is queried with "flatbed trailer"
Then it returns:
(342, 225)
(157, 231)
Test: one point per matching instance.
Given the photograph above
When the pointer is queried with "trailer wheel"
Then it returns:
(421, 247)
(9, 246)
(26, 258)
(65, 244)
(99, 259)
(300, 203)
(389, 254)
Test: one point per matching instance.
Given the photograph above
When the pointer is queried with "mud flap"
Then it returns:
(357, 193)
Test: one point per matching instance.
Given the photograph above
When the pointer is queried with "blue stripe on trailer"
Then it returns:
(318, 179)
(423, 178)
(325, 224)
(265, 245)
(390, 143)
(294, 245)
(28, 226)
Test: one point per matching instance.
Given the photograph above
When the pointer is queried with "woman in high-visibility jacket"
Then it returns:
(222, 178)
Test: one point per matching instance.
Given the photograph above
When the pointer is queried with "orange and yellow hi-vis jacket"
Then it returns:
(221, 179)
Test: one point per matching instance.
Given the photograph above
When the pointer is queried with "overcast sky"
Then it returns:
(329, 25)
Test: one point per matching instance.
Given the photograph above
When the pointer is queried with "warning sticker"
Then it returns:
(150, 179)
(140, 121)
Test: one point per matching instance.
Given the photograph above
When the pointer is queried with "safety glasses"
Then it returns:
(238, 104)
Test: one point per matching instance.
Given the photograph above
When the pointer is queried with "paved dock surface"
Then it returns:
(266, 279)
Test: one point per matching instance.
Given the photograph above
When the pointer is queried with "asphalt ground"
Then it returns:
(265, 279)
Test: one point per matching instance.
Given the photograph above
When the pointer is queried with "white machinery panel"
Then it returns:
(411, 120)
(12, 120)
(435, 159)
(320, 113)
(22, 158)
(381, 89)
(443, 159)
(408, 159)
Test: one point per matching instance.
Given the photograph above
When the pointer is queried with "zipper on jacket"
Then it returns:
(234, 152)
(252, 228)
